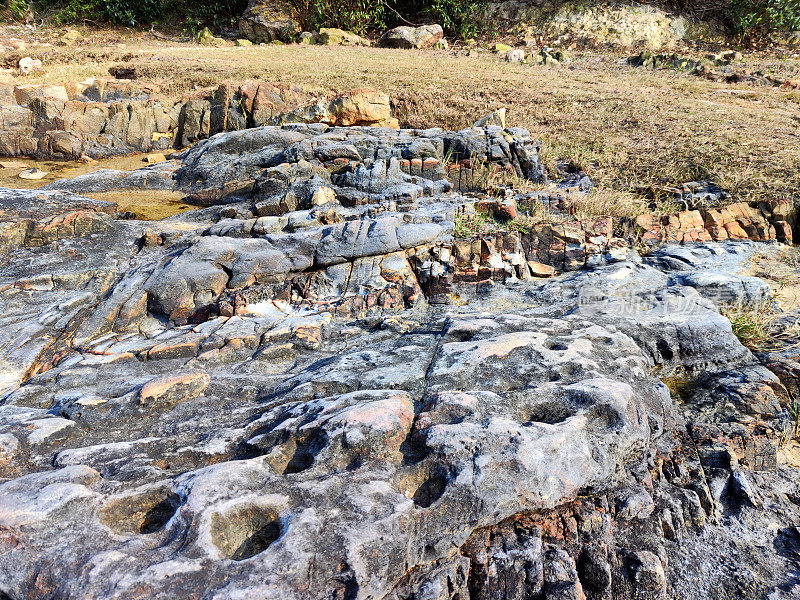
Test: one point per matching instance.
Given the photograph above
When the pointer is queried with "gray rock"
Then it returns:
(412, 37)
(287, 406)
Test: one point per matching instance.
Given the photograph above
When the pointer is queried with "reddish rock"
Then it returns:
(168, 391)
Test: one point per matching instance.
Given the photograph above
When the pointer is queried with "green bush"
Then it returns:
(119, 12)
(459, 18)
(192, 15)
(218, 14)
(755, 21)
(358, 16)
(19, 9)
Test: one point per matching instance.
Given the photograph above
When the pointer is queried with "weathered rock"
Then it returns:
(323, 402)
(330, 36)
(29, 66)
(516, 55)
(412, 37)
(496, 118)
(267, 21)
(24, 94)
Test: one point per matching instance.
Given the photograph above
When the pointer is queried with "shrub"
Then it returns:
(358, 16)
(19, 9)
(194, 15)
(754, 21)
(218, 14)
(460, 18)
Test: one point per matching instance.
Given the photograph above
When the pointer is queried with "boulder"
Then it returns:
(30, 66)
(266, 21)
(329, 36)
(412, 37)
(339, 399)
(517, 55)
(24, 94)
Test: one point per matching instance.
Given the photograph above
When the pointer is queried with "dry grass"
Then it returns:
(762, 328)
(628, 128)
(605, 202)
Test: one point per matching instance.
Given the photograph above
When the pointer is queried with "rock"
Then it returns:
(329, 36)
(13, 164)
(362, 107)
(517, 55)
(648, 572)
(323, 195)
(540, 270)
(500, 48)
(70, 37)
(359, 107)
(496, 118)
(412, 37)
(347, 388)
(265, 21)
(30, 66)
(166, 392)
(204, 37)
(307, 38)
(242, 42)
(33, 174)
(154, 158)
(793, 39)
(25, 94)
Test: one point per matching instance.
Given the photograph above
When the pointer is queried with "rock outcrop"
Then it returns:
(266, 21)
(290, 393)
(103, 118)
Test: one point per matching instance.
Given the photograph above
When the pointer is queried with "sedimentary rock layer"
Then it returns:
(290, 393)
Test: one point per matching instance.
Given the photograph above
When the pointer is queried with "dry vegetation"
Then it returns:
(631, 129)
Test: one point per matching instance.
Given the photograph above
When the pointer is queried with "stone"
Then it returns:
(33, 174)
(648, 572)
(25, 94)
(541, 270)
(30, 66)
(412, 37)
(242, 43)
(517, 55)
(265, 21)
(501, 48)
(364, 392)
(153, 158)
(166, 392)
(496, 118)
(323, 195)
(70, 37)
(330, 36)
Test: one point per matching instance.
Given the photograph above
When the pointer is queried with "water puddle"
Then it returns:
(147, 205)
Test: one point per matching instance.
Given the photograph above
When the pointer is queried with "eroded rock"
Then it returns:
(310, 388)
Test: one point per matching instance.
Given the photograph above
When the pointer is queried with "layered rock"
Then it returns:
(290, 394)
(108, 118)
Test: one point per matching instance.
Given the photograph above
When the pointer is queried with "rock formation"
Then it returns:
(108, 117)
(310, 388)
(266, 21)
